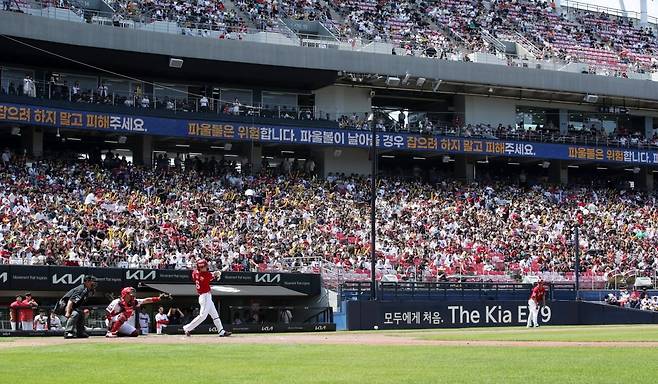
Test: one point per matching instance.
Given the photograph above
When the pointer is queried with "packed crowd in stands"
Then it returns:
(69, 212)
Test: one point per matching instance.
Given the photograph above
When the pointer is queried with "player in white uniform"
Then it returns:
(161, 321)
(41, 322)
(121, 313)
(144, 322)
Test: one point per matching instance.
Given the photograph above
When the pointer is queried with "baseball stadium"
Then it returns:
(328, 191)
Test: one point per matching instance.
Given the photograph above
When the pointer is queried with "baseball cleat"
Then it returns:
(69, 335)
(111, 334)
(224, 333)
(188, 334)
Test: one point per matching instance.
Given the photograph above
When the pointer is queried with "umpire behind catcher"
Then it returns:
(70, 304)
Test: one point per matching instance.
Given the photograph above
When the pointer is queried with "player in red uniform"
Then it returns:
(26, 312)
(121, 312)
(14, 308)
(537, 299)
(202, 278)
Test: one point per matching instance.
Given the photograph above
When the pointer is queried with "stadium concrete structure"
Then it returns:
(144, 94)
(325, 83)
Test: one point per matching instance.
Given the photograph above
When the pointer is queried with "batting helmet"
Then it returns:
(128, 291)
(201, 263)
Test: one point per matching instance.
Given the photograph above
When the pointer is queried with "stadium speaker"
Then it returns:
(591, 98)
(392, 81)
(175, 63)
(228, 146)
(420, 82)
(122, 139)
(338, 152)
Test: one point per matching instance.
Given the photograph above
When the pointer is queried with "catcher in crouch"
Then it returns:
(121, 312)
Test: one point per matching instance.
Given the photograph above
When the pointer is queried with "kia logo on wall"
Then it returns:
(67, 279)
(140, 275)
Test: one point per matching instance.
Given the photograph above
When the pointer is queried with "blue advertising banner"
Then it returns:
(101, 121)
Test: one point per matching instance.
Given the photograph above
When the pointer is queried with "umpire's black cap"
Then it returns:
(90, 278)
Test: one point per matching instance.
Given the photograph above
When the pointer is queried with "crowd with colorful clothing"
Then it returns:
(111, 214)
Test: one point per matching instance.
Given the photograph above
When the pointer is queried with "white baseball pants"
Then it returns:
(27, 326)
(207, 308)
(534, 313)
(127, 328)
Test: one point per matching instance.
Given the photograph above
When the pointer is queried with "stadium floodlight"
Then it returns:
(437, 85)
(420, 82)
(392, 81)
(591, 98)
(175, 63)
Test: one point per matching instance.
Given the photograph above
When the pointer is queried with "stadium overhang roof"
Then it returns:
(206, 60)
(154, 66)
(226, 290)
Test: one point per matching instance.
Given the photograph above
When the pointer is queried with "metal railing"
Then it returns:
(260, 314)
(95, 319)
(453, 291)
(571, 5)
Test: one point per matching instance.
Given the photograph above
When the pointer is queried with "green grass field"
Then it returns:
(188, 363)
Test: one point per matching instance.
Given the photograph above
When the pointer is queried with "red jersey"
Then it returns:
(14, 309)
(202, 281)
(26, 313)
(538, 293)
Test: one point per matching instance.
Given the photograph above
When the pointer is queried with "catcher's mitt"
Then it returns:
(165, 296)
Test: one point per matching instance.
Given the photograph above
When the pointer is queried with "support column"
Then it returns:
(143, 151)
(564, 121)
(344, 160)
(643, 13)
(558, 173)
(334, 101)
(648, 127)
(255, 157)
(32, 138)
(644, 179)
(464, 170)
